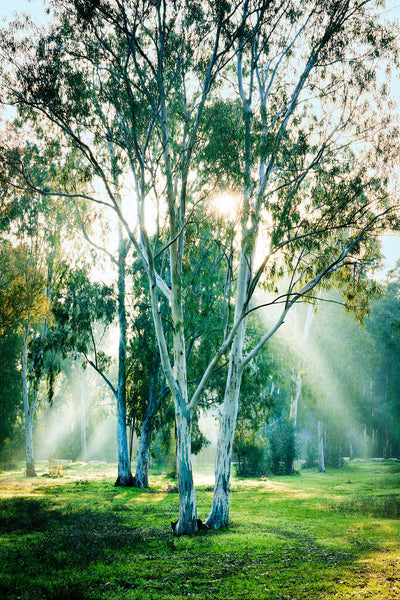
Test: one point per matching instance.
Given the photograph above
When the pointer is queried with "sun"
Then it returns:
(225, 204)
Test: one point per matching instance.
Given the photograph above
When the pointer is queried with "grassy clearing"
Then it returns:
(76, 537)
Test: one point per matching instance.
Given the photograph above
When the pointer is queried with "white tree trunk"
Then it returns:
(84, 454)
(141, 479)
(321, 458)
(294, 400)
(29, 408)
(219, 515)
(124, 471)
(187, 522)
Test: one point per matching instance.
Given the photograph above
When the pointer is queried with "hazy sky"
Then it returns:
(35, 8)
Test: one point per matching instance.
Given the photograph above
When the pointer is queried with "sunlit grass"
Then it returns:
(309, 536)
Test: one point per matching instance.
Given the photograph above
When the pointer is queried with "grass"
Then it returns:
(311, 536)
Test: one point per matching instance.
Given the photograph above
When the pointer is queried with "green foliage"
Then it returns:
(23, 295)
(78, 306)
(10, 388)
(282, 447)
(250, 452)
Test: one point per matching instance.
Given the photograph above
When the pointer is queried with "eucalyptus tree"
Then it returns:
(144, 71)
(303, 100)
(83, 313)
(33, 269)
(39, 170)
(142, 79)
(206, 261)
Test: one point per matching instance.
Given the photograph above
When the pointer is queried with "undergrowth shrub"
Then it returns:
(282, 451)
(250, 451)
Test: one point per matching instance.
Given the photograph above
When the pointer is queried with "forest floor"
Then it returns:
(74, 536)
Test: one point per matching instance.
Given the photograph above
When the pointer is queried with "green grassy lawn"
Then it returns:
(308, 536)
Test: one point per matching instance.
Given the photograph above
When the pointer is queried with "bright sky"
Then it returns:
(35, 8)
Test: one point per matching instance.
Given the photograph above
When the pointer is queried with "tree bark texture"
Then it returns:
(219, 515)
(124, 471)
(29, 409)
(187, 522)
(141, 479)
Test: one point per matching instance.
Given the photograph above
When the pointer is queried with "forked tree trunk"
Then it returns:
(176, 378)
(321, 458)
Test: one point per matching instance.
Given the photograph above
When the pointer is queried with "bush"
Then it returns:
(250, 453)
(282, 448)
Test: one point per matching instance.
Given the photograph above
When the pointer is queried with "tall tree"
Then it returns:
(142, 76)
(28, 281)
(299, 117)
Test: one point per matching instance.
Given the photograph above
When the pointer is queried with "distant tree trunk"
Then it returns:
(141, 478)
(294, 400)
(321, 458)
(385, 452)
(297, 377)
(30, 389)
(131, 427)
(364, 441)
(84, 453)
(124, 472)
(28, 408)
(340, 458)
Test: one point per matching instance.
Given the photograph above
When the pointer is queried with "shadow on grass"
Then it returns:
(48, 549)
(53, 551)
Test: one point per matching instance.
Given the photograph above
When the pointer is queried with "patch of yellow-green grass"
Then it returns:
(305, 537)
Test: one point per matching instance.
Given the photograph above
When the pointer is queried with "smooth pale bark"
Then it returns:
(177, 382)
(321, 458)
(29, 395)
(124, 471)
(294, 405)
(30, 463)
(294, 400)
(297, 377)
(84, 454)
(219, 515)
(141, 478)
(187, 522)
